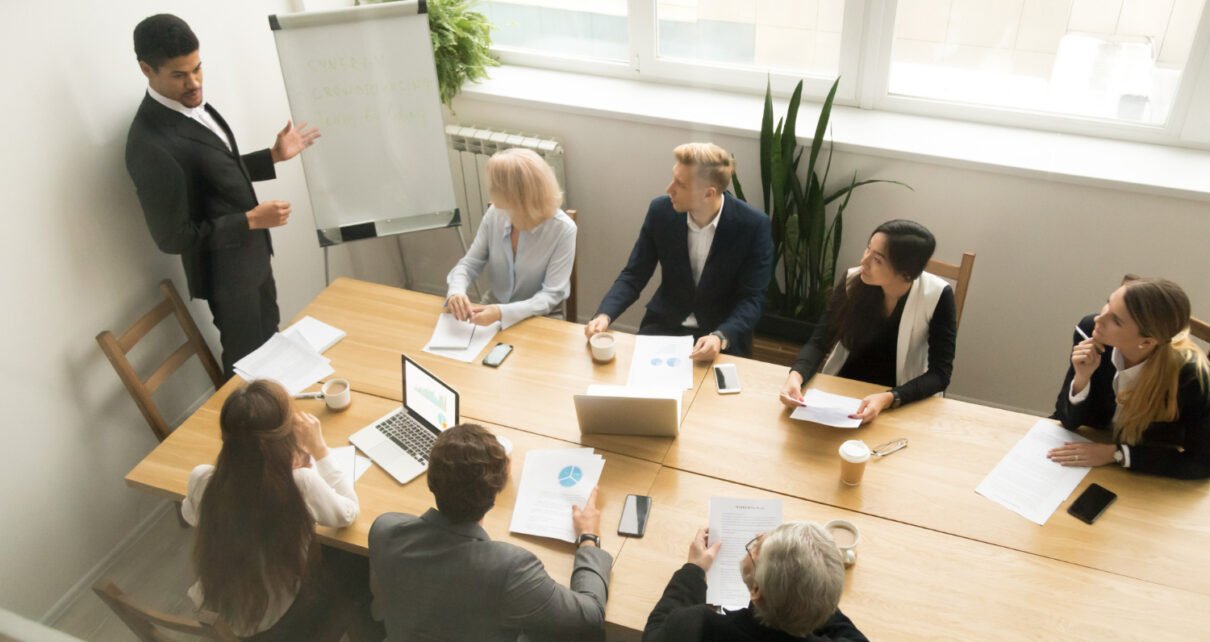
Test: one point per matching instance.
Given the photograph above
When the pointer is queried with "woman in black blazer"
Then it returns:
(1135, 371)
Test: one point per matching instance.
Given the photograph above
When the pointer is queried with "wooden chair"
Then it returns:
(1197, 328)
(569, 306)
(961, 276)
(116, 349)
(147, 623)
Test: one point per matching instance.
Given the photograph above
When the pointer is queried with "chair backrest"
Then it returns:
(1197, 328)
(569, 306)
(117, 347)
(961, 276)
(148, 624)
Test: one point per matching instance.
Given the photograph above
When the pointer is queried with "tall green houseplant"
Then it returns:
(805, 243)
(462, 42)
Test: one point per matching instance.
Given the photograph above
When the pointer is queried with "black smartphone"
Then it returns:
(634, 516)
(1091, 503)
(497, 355)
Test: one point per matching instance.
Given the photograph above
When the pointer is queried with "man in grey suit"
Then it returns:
(440, 576)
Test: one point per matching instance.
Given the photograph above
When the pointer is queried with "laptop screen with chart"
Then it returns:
(427, 398)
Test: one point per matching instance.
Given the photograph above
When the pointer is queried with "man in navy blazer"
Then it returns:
(715, 254)
(196, 188)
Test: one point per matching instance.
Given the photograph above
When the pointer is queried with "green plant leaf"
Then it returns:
(766, 147)
(849, 188)
(821, 127)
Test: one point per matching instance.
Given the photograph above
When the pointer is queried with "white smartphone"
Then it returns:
(726, 378)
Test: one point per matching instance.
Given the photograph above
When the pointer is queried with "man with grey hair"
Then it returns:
(794, 575)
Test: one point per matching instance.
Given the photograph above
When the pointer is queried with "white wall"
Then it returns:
(78, 259)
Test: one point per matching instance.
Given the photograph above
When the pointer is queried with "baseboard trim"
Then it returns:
(51, 617)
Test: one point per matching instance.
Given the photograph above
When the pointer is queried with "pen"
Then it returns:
(1082, 334)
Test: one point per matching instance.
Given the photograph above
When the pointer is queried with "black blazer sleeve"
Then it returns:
(1157, 453)
(671, 618)
(636, 274)
(752, 282)
(1097, 409)
(163, 193)
(260, 165)
(822, 340)
(943, 336)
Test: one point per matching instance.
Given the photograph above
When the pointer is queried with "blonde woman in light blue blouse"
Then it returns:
(526, 242)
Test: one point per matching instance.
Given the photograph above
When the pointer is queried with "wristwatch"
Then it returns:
(721, 337)
(1118, 457)
(896, 401)
(589, 537)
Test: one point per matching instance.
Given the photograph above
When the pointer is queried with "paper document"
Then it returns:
(319, 335)
(1028, 483)
(460, 340)
(352, 464)
(551, 482)
(661, 362)
(735, 522)
(288, 360)
(827, 409)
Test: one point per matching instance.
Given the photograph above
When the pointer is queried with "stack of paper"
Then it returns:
(827, 409)
(1028, 483)
(319, 335)
(460, 340)
(552, 481)
(288, 360)
(735, 522)
(661, 362)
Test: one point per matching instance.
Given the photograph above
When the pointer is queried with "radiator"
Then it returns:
(470, 147)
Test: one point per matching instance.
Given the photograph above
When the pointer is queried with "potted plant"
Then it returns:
(805, 242)
(462, 41)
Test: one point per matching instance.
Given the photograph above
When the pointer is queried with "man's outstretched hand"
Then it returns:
(292, 140)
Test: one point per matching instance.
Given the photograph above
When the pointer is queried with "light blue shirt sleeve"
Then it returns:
(471, 265)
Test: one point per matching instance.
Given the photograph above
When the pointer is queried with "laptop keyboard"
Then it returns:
(409, 435)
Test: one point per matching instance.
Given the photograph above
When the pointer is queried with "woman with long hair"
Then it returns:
(256, 511)
(889, 323)
(1152, 390)
(525, 241)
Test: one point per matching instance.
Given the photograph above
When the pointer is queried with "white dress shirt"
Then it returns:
(329, 496)
(700, 240)
(198, 113)
(531, 283)
(1123, 380)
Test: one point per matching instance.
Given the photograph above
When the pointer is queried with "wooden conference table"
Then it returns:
(936, 561)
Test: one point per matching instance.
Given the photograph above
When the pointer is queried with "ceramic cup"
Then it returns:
(846, 536)
(337, 393)
(602, 345)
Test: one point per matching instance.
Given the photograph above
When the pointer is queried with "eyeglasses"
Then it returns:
(751, 542)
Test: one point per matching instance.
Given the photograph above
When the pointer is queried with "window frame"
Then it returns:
(865, 57)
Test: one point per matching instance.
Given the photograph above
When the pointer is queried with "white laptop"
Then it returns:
(621, 410)
(402, 439)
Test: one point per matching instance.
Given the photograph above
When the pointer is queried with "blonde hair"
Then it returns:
(1161, 310)
(522, 183)
(711, 163)
(800, 572)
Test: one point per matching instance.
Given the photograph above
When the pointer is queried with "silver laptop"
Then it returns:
(402, 439)
(615, 410)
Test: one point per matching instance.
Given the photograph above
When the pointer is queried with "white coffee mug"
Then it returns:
(337, 393)
(846, 539)
(602, 345)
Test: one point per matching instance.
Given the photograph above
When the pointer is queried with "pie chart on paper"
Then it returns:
(570, 476)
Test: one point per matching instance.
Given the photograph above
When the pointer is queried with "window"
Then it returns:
(1116, 68)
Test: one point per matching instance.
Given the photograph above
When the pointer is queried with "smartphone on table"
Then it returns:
(634, 516)
(726, 378)
(497, 355)
(1091, 503)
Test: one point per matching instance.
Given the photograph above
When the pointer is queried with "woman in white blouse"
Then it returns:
(526, 242)
(256, 511)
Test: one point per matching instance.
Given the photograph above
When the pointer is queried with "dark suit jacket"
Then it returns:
(1179, 448)
(195, 195)
(731, 293)
(681, 615)
(434, 580)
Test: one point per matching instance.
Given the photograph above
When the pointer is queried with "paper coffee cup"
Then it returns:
(338, 394)
(854, 454)
(602, 345)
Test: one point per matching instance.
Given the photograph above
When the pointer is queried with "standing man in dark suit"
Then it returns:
(715, 254)
(196, 189)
